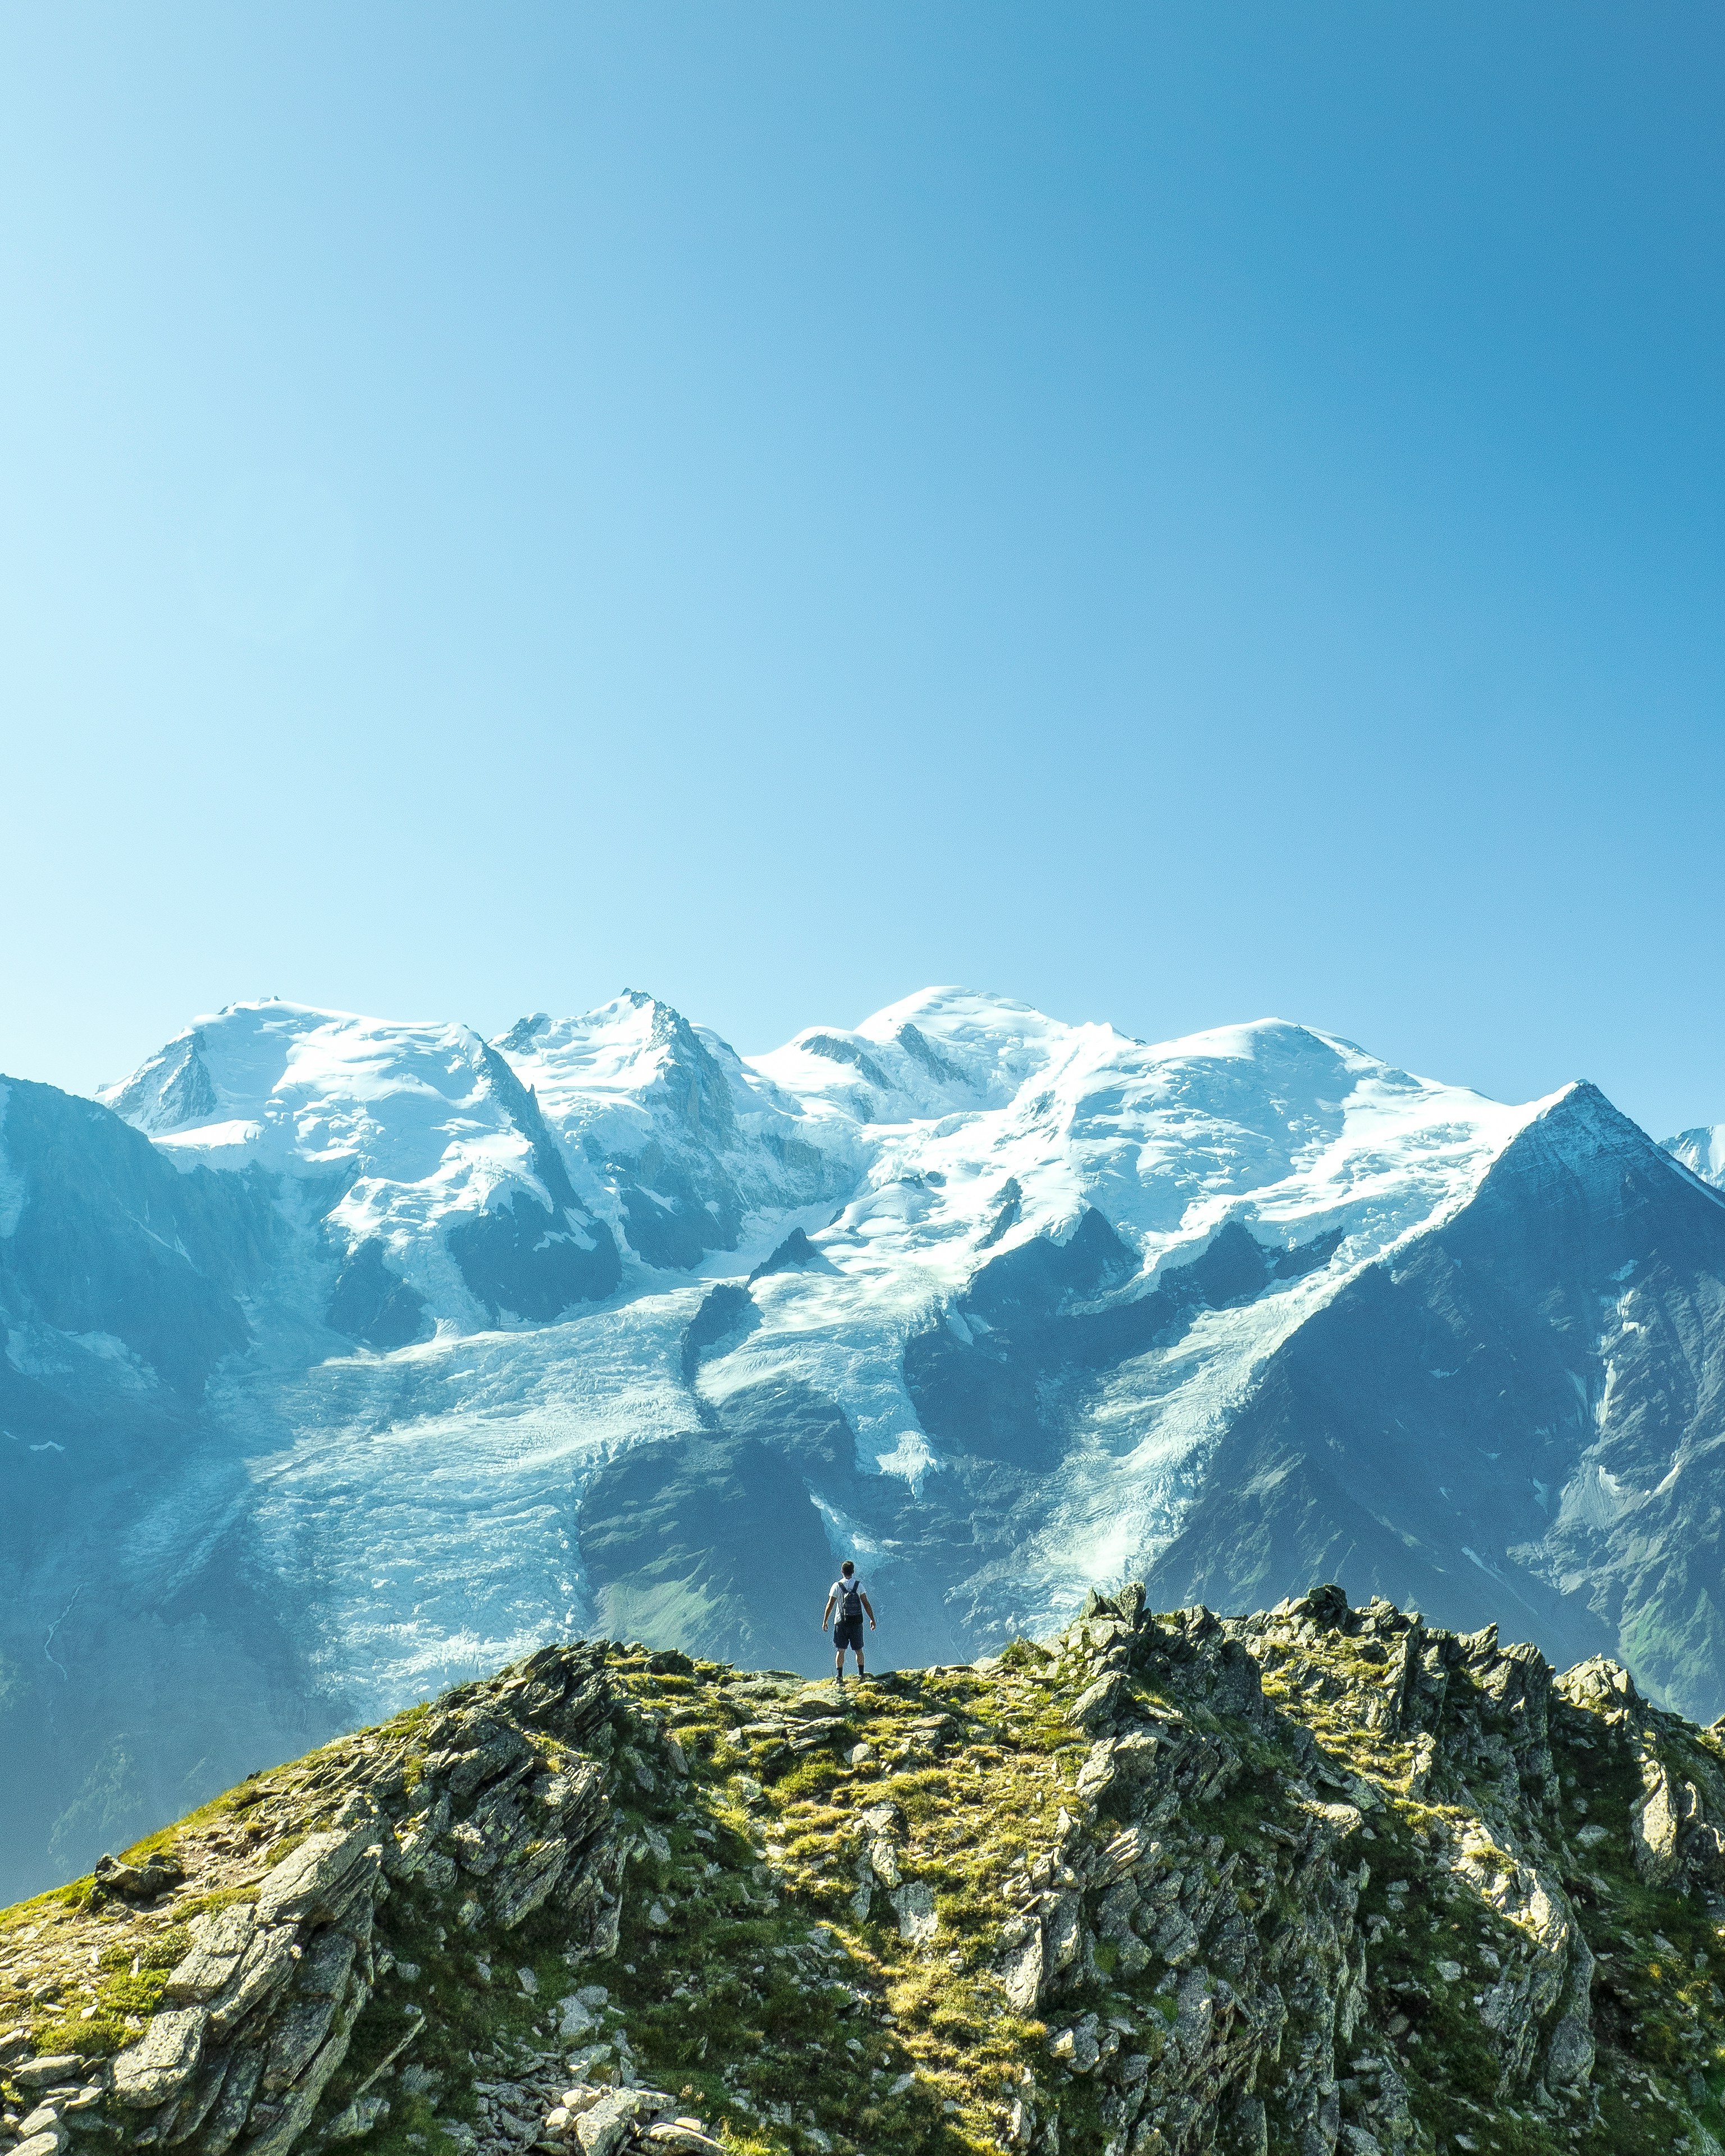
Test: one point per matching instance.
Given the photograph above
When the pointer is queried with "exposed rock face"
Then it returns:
(1322, 1879)
(258, 2013)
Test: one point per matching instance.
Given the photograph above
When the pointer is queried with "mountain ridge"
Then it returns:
(1321, 1879)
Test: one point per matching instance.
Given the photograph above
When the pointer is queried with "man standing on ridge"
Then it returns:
(849, 1598)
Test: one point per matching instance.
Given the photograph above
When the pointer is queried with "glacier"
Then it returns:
(346, 1358)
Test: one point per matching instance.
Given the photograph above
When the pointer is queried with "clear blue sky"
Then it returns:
(1174, 512)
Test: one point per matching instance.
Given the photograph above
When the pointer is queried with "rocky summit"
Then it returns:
(1322, 1879)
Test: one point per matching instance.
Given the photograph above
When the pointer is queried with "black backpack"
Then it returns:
(849, 1600)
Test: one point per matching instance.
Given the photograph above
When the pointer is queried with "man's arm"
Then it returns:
(826, 1613)
(869, 1607)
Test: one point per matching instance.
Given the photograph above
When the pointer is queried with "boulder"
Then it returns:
(267, 1962)
(1077, 2047)
(313, 1880)
(816, 1705)
(480, 1749)
(218, 1944)
(138, 1882)
(918, 1919)
(1095, 1710)
(163, 2060)
(298, 2034)
(604, 2128)
(360, 2116)
(1021, 1964)
(1653, 1827)
(55, 2070)
(44, 2119)
(883, 1856)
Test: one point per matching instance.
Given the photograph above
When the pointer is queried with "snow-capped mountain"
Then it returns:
(1701, 1152)
(415, 1144)
(346, 1358)
(471, 1183)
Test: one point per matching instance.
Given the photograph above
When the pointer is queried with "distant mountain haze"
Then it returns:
(347, 1359)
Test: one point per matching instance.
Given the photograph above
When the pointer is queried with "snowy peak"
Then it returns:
(621, 1069)
(296, 1088)
(632, 1129)
(948, 1129)
(689, 1150)
(984, 1034)
(941, 1048)
(442, 1180)
(174, 1089)
(1277, 1124)
(1703, 1152)
(1292, 1131)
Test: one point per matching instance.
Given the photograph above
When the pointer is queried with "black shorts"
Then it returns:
(847, 1632)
